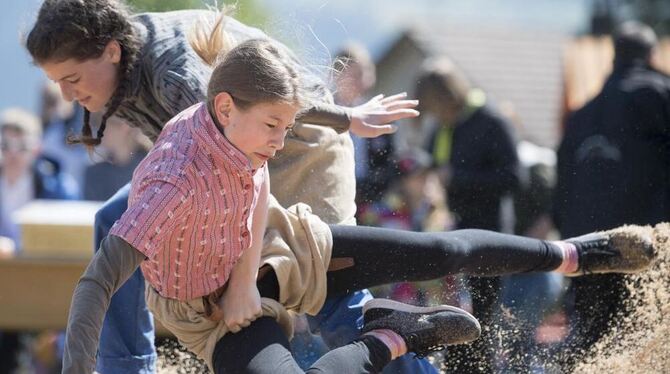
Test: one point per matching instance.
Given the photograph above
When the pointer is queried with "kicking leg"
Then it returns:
(376, 256)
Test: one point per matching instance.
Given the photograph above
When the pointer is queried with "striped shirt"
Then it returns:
(190, 205)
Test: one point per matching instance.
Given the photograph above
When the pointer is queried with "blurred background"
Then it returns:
(531, 62)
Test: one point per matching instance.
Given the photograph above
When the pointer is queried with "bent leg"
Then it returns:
(340, 321)
(127, 338)
(382, 256)
(262, 347)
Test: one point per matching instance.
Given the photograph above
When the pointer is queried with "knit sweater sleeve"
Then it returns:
(112, 265)
(325, 114)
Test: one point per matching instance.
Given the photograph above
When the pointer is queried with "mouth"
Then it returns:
(262, 157)
(84, 101)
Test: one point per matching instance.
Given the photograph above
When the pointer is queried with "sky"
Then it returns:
(324, 23)
(316, 27)
(20, 79)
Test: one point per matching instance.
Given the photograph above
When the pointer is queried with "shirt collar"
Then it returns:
(216, 143)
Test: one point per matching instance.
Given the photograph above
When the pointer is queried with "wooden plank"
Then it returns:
(35, 294)
(57, 228)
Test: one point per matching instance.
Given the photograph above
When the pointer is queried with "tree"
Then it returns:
(247, 11)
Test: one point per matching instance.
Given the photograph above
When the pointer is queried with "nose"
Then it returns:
(277, 140)
(67, 91)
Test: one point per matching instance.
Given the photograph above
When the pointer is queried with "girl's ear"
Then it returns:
(223, 104)
(113, 51)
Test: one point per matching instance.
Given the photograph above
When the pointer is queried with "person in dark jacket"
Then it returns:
(474, 149)
(613, 169)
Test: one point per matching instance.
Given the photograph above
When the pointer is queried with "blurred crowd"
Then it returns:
(474, 171)
(38, 163)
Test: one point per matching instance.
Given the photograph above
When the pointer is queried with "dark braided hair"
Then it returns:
(81, 29)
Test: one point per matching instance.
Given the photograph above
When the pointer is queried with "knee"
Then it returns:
(454, 248)
(233, 353)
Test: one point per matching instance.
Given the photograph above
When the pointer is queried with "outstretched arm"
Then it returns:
(368, 120)
(111, 266)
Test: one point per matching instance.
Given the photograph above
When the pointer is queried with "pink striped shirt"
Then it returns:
(190, 206)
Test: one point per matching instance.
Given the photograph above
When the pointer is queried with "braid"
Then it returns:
(86, 132)
(120, 94)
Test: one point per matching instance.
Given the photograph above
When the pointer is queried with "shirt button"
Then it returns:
(247, 186)
(245, 234)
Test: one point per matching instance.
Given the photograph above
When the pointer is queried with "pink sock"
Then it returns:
(394, 342)
(570, 262)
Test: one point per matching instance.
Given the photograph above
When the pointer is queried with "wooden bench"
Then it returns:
(36, 286)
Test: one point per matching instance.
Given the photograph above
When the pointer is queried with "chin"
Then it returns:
(93, 107)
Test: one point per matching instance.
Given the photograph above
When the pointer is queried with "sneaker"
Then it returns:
(424, 329)
(626, 249)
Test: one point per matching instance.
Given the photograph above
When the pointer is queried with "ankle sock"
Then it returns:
(570, 262)
(394, 342)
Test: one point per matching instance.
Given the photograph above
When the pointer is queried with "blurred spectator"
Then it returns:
(474, 150)
(614, 169)
(122, 148)
(414, 201)
(61, 118)
(354, 76)
(26, 175)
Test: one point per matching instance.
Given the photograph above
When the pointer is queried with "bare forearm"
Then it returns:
(246, 268)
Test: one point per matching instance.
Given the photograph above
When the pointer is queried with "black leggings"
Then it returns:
(264, 348)
(382, 256)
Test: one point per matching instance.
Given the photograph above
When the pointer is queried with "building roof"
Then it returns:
(513, 66)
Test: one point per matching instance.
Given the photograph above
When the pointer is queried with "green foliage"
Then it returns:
(164, 5)
(247, 11)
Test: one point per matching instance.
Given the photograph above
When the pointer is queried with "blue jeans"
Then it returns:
(127, 339)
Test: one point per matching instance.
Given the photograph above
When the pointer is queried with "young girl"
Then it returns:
(197, 212)
(143, 69)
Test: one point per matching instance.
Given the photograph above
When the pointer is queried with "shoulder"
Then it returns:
(174, 151)
(486, 120)
(166, 52)
(646, 80)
